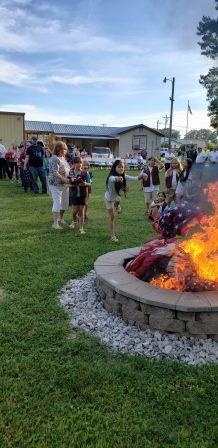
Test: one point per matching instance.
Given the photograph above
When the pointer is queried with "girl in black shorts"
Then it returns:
(78, 192)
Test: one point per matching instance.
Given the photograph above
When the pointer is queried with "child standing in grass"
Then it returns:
(79, 181)
(172, 179)
(158, 206)
(151, 182)
(115, 183)
(85, 171)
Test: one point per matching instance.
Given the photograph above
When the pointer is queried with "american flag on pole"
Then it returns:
(189, 108)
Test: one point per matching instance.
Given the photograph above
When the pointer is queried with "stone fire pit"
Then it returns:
(150, 307)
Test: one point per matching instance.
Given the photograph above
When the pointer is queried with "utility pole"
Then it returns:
(165, 126)
(171, 108)
(158, 121)
(171, 113)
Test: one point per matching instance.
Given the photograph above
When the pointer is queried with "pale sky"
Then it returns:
(100, 61)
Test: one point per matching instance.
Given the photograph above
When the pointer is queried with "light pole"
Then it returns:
(165, 126)
(158, 122)
(171, 108)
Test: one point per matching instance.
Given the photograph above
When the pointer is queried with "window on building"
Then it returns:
(139, 142)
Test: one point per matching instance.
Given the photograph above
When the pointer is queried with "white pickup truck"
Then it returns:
(101, 157)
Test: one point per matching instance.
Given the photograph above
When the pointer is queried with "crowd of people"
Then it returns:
(178, 206)
(67, 178)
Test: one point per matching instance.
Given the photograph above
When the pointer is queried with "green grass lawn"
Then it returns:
(61, 389)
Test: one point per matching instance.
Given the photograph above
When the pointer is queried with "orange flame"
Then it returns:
(202, 248)
(164, 281)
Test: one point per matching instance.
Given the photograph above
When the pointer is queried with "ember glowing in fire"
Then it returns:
(201, 249)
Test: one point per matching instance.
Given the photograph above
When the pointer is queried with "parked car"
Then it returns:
(101, 151)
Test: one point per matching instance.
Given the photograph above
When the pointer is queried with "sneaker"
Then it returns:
(56, 226)
(114, 239)
(72, 225)
(118, 207)
(82, 231)
(61, 221)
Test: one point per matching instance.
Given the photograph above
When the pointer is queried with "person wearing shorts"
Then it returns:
(78, 192)
(115, 183)
(152, 182)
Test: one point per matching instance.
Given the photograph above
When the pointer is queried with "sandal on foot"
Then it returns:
(114, 239)
(72, 225)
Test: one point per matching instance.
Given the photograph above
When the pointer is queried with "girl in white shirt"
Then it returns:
(172, 179)
(115, 183)
(184, 177)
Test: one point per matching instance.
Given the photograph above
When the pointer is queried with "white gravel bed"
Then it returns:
(85, 305)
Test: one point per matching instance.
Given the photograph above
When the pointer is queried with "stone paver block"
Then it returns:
(149, 294)
(202, 327)
(185, 316)
(117, 279)
(122, 299)
(109, 292)
(208, 317)
(112, 258)
(134, 317)
(162, 313)
(109, 269)
(212, 297)
(191, 302)
(174, 325)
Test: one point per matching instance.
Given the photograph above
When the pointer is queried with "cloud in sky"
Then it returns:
(25, 31)
(102, 56)
(10, 73)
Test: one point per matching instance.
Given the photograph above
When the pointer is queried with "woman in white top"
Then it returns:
(58, 182)
(115, 183)
(169, 156)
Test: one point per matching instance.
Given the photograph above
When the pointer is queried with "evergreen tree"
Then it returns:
(208, 30)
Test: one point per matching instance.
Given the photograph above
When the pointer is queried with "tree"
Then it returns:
(175, 133)
(208, 30)
(202, 134)
(210, 82)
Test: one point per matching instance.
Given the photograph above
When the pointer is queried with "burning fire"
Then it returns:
(202, 250)
(203, 246)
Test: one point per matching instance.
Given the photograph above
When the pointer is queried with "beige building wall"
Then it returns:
(126, 142)
(11, 128)
(196, 142)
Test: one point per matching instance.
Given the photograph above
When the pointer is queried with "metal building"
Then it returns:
(11, 128)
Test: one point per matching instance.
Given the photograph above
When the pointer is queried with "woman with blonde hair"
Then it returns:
(58, 181)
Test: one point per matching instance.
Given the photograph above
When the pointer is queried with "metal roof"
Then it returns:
(77, 129)
(38, 126)
(82, 130)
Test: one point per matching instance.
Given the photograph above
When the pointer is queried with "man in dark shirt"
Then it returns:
(191, 153)
(34, 158)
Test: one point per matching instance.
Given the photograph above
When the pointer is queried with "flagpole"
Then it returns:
(187, 119)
